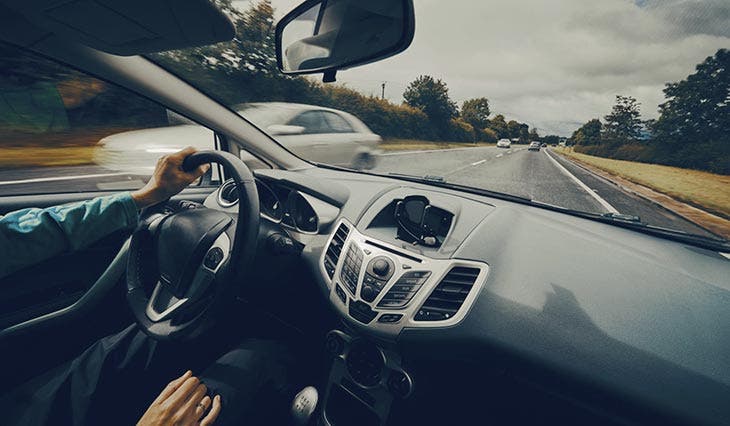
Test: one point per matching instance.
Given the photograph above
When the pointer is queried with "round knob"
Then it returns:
(400, 384)
(368, 293)
(334, 344)
(381, 267)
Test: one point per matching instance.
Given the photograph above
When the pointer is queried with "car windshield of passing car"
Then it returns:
(420, 212)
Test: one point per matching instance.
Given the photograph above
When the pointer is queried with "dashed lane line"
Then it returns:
(592, 193)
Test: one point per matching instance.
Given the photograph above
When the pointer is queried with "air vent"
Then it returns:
(332, 255)
(449, 295)
(228, 194)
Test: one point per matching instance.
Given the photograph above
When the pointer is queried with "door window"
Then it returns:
(312, 121)
(336, 123)
(62, 130)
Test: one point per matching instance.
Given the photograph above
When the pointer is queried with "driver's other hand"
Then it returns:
(168, 179)
(183, 402)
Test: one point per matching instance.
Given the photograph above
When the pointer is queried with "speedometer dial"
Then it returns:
(302, 213)
(270, 205)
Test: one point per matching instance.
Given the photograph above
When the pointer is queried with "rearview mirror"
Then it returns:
(327, 35)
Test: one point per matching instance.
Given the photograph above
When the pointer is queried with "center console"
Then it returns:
(399, 272)
(363, 382)
(382, 288)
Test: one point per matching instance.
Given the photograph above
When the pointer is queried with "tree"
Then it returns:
(588, 134)
(476, 112)
(697, 109)
(551, 139)
(513, 129)
(534, 136)
(624, 123)
(499, 126)
(432, 97)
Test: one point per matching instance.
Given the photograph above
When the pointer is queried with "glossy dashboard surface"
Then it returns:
(643, 318)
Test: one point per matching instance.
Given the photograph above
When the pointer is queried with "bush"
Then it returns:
(461, 131)
(488, 135)
(708, 156)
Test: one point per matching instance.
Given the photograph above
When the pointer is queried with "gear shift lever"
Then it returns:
(303, 405)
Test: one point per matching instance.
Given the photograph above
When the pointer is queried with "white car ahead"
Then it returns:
(315, 133)
(504, 143)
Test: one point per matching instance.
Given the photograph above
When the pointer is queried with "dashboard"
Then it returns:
(412, 269)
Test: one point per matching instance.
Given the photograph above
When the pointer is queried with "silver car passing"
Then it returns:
(315, 133)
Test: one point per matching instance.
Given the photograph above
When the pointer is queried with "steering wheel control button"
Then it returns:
(361, 311)
(390, 318)
(213, 258)
(400, 384)
(365, 364)
(351, 268)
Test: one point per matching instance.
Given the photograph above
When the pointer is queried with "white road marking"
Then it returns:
(427, 151)
(592, 193)
(499, 155)
(58, 178)
(727, 255)
(478, 162)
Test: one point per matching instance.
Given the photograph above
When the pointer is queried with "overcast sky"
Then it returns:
(553, 64)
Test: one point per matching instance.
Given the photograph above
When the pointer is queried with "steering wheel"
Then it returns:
(183, 265)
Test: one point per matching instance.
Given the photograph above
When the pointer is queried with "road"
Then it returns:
(542, 176)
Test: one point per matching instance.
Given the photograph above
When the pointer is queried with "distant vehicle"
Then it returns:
(315, 133)
(544, 145)
(561, 144)
(504, 143)
(534, 146)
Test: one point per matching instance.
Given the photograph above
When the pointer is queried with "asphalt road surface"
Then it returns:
(541, 175)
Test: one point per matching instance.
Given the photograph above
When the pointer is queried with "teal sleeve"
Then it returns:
(31, 235)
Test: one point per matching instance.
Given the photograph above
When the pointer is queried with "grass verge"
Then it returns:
(22, 157)
(705, 190)
(415, 144)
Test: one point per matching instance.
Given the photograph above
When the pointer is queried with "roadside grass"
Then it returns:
(22, 157)
(415, 144)
(706, 190)
(52, 149)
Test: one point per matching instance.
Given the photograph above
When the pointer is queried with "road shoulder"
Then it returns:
(710, 221)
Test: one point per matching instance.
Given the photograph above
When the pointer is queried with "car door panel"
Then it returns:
(51, 311)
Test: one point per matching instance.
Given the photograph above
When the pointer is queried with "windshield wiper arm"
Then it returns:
(634, 223)
(425, 178)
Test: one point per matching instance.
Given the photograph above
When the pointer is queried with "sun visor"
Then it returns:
(129, 27)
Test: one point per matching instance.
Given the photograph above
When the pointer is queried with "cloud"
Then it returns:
(551, 64)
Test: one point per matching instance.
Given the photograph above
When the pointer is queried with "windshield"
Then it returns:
(616, 107)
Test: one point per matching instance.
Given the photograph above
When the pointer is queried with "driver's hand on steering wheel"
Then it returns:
(183, 402)
(168, 179)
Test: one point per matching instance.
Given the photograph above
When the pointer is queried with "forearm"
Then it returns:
(32, 235)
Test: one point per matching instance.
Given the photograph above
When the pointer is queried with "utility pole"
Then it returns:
(382, 96)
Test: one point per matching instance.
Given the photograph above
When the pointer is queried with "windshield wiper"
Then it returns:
(425, 178)
(629, 218)
(634, 223)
